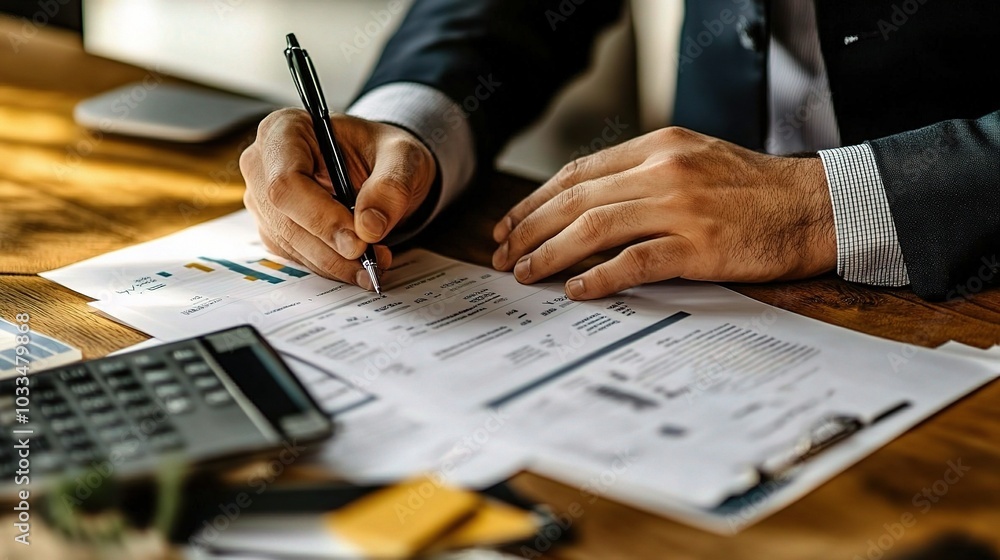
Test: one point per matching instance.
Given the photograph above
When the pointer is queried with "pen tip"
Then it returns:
(370, 267)
(292, 42)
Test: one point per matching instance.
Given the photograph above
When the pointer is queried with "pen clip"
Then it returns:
(293, 69)
(321, 98)
(823, 434)
(299, 62)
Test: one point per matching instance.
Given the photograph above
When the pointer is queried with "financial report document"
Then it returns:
(681, 390)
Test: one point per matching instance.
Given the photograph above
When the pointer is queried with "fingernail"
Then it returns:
(362, 279)
(574, 288)
(500, 256)
(523, 268)
(347, 244)
(375, 222)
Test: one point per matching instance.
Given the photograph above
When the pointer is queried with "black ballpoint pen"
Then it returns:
(311, 92)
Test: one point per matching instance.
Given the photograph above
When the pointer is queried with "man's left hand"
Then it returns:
(685, 205)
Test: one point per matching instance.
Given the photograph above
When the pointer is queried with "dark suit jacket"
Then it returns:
(911, 77)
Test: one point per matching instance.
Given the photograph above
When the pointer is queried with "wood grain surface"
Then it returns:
(67, 194)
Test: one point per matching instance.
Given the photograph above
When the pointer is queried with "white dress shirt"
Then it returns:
(801, 119)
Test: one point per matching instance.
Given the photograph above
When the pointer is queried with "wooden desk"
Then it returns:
(67, 194)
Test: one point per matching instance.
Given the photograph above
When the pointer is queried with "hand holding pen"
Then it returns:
(311, 92)
(289, 189)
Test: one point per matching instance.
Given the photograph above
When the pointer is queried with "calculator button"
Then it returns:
(84, 388)
(122, 381)
(218, 398)
(158, 376)
(124, 451)
(74, 374)
(178, 405)
(147, 410)
(169, 391)
(97, 403)
(197, 368)
(207, 382)
(147, 361)
(56, 410)
(113, 433)
(166, 441)
(66, 425)
(104, 418)
(133, 397)
(184, 354)
(49, 395)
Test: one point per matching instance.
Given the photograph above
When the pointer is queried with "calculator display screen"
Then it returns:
(263, 380)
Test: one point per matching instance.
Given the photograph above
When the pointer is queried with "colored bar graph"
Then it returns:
(290, 271)
(248, 273)
(165, 274)
(199, 266)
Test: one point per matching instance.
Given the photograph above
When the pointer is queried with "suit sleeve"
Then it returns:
(500, 61)
(942, 183)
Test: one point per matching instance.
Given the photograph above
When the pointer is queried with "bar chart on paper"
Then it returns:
(214, 274)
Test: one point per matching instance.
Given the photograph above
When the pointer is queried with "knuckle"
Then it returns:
(523, 233)
(331, 263)
(273, 118)
(395, 186)
(283, 232)
(317, 222)
(572, 170)
(592, 226)
(674, 134)
(275, 194)
(675, 163)
(635, 261)
(572, 200)
(602, 279)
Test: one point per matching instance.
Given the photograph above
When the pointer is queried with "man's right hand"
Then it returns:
(289, 192)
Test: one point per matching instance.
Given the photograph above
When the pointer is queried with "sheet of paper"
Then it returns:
(686, 387)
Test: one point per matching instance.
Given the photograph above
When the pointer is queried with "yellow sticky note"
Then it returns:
(494, 523)
(401, 520)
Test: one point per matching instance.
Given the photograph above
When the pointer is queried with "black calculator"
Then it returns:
(224, 395)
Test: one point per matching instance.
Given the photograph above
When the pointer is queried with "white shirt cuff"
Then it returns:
(434, 118)
(867, 245)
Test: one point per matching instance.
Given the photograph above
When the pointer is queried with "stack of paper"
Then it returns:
(24, 349)
(679, 398)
